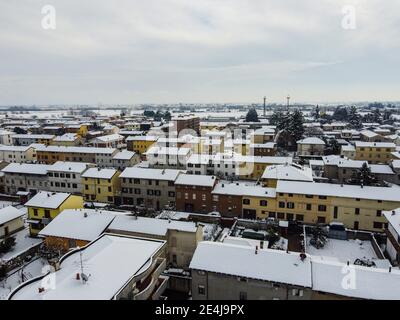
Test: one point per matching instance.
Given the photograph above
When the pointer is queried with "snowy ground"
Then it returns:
(22, 243)
(343, 250)
(29, 271)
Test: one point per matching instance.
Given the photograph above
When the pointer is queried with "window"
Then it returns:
(309, 206)
(215, 197)
(289, 216)
(171, 194)
(297, 292)
(246, 201)
(309, 196)
(357, 211)
(321, 219)
(281, 204)
(335, 212)
(263, 203)
(281, 215)
(290, 205)
(299, 217)
(243, 295)
(378, 225)
(201, 290)
(379, 213)
(203, 197)
(322, 197)
(322, 208)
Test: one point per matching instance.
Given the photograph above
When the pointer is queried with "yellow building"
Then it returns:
(68, 140)
(253, 167)
(140, 144)
(258, 202)
(355, 206)
(80, 129)
(101, 185)
(45, 206)
(374, 152)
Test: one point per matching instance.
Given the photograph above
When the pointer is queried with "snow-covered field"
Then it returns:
(343, 250)
(29, 271)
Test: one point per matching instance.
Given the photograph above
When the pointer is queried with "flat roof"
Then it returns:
(109, 262)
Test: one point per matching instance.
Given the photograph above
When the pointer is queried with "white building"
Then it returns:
(18, 154)
(168, 157)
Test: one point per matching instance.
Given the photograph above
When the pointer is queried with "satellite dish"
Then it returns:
(84, 277)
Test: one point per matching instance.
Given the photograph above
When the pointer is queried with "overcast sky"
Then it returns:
(169, 51)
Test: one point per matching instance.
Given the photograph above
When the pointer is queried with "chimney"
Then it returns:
(256, 252)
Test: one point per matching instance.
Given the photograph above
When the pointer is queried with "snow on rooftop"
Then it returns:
(337, 190)
(67, 137)
(195, 180)
(44, 199)
(147, 173)
(243, 189)
(311, 140)
(124, 155)
(9, 213)
(393, 217)
(363, 144)
(90, 150)
(99, 173)
(109, 138)
(168, 151)
(78, 224)
(151, 226)
(288, 172)
(65, 166)
(381, 169)
(15, 148)
(269, 265)
(27, 168)
(106, 261)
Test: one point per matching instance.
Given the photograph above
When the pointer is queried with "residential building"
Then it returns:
(17, 154)
(66, 177)
(193, 193)
(101, 185)
(125, 159)
(109, 141)
(25, 177)
(11, 221)
(286, 172)
(374, 152)
(186, 122)
(152, 188)
(310, 147)
(110, 272)
(140, 144)
(182, 237)
(5, 137)
(68, 140)
(168, 157)
(45, 206)
(28, 139)
(263, 149)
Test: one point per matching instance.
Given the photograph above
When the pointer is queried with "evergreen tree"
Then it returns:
(332, 147)
(296, 127)
(252, 116)
(376, 116)
(340, 113)
(354, 118)
(276, 118)
(316, 113)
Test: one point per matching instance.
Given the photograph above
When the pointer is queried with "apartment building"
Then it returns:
(194, 193)
(374, 152)
(102, 157)
(101, 185)
(219, 273)
(286, 172)
(262, 136)
(5, 137)
(140, 144)
(168, 157)
(109, 141)
(358, 207)
(393, 235)
(80, 129)
(188, 122)
(263, 149)
(17, 154)
(125, 159)
(66, 177)
(118, 273)
(152, 188)
(68, 140)
(45, 206)
(28, 139)
(25, 177)
(310, 147)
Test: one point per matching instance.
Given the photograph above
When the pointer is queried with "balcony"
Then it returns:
(152, 285)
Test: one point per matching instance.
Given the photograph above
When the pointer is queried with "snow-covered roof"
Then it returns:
(369, 133)
(91, 150)
(311, 140)
(66, 166)
(110, 262)
(288, 172)
(124, 155)
(151, 226)
(268, 265)
(110, 138)
(348, 148)
(195, 180)
(44, 199)
(67, 137)
(396, 164)
(243, 189)
(34, 136)
(79, 224)
(27, 168)
(99, 173)
(393, 217)
(142, 138)
(381, 169)
(363, 144)
(337, 190)
(15, 148)
(154, 174)
(268, 145)
(168, 151)
(9, 213)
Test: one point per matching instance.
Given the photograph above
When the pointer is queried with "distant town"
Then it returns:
(259, 201)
